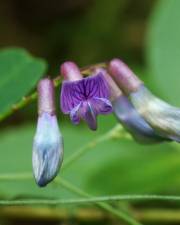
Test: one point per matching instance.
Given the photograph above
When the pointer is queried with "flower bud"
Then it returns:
(70, 71)
(48, 142)
(162, 117)
(128, 116)
(127, 81)
(134, 123)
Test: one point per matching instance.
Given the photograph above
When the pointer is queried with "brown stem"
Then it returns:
(32, 97)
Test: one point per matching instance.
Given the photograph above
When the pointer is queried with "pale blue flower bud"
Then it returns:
(162, 117)
(134, 123)
(48, 143)
(128, 116)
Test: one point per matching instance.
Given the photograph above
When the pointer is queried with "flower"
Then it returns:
(128, 116)
(48, 142)
(162, 117)
(134, 122)
(84, 98)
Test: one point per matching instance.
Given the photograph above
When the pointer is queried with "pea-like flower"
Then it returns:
(48, 142)
(128, 116)
(84, 98)
(162, 117)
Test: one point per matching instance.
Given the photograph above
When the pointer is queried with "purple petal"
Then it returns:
(96, 86)
(90, 117)
(74, 114)
(101, 105)
(84, 111)
(69, 98)
(75, 92)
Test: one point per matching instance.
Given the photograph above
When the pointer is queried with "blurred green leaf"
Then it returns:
(19, 73)
(163, 49)
(16, 150)
(112, 167)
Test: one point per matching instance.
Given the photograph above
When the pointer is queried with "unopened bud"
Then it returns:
(124, 76)
(48, 142)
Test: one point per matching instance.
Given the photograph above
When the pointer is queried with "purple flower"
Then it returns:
(84, 98)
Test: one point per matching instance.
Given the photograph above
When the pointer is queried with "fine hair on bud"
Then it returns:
(47, 154)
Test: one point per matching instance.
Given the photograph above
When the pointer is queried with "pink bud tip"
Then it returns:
(124, 76)
(70, 71)
(46, 96)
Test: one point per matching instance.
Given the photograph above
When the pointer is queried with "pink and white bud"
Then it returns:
(124, 77)
(48, 142)
(70, 71)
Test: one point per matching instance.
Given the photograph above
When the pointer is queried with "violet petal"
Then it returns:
(74, 92)
(90, 116)
(74, 114)
(101, 105)
(86, 112)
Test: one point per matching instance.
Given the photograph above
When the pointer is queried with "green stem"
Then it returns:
(116, 132)
(28, 99)
(119, 214)
(144, 215)
(88, 199)
(19, 105)
(16, 176)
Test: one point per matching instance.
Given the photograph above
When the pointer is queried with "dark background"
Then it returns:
(87, 31)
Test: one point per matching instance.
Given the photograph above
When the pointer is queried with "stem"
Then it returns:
(25, 101)
(119, 214)
(28, 99)
(144, 215)
(85, 200)
(116, 132)
(16, 176)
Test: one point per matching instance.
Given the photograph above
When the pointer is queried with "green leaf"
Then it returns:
(163, 49)
(16, 157)
(19, 73)
(112, 167)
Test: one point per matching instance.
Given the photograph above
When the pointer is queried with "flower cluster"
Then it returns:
(115, 89)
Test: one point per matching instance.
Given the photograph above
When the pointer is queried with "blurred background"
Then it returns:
(86, 31)
(145, 34)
